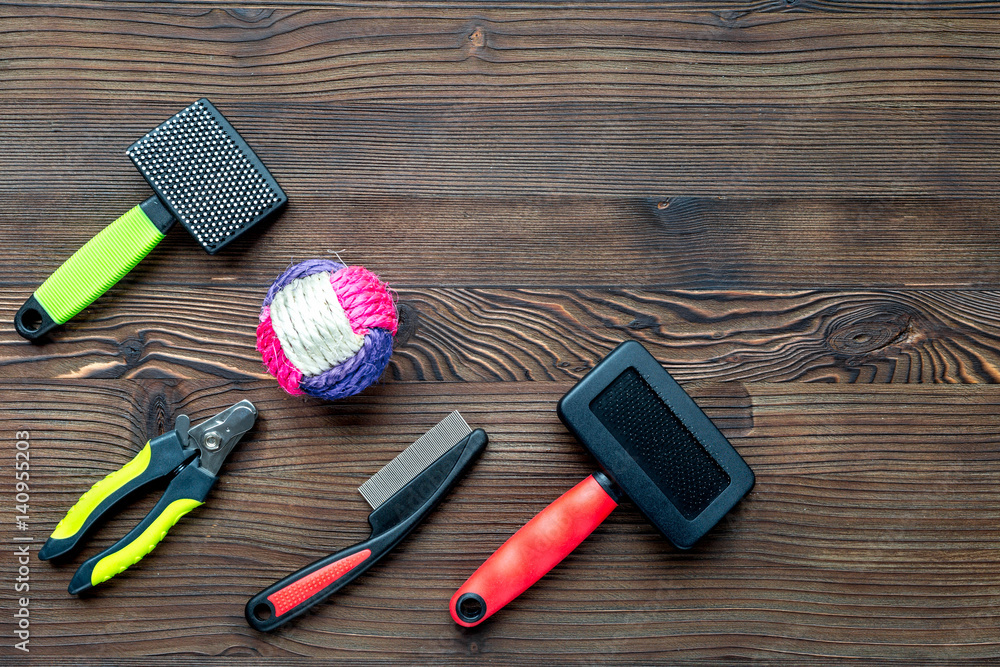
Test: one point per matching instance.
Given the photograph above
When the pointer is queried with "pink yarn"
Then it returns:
(275, 361)
(364, 299)
(371, 313)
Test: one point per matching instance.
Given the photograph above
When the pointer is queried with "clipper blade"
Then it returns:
(206, 175)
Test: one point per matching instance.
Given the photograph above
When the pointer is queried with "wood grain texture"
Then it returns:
(773, 196)
(871, 525)
(600, 54)
(727, 10)
(605, 103)
(681, 242)
(668, 242)
(516, 335)
(606, 149)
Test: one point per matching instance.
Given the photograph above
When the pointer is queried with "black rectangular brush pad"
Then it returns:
(654, 441)
(207, 176)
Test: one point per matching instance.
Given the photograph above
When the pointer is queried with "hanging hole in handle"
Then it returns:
(32, 320)
(262, 612)
(470, 607)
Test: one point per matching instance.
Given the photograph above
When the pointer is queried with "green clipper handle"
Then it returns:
(187, 491)
(94, 268)
(158, 458)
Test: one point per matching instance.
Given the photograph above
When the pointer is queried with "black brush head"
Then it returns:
(207, 176)
(653, 440)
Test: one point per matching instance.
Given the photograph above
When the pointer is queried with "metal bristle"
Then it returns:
(206, 174)
(414, 459)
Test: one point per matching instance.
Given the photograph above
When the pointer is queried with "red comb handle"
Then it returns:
(301, 591)
(297, 592)
(534, 550)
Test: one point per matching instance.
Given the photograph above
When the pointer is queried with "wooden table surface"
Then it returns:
(792, 203)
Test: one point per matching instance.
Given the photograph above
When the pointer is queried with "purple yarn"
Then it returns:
(354, 374)
(306, 268)
(347, 378)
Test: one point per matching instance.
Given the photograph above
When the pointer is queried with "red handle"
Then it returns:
(531, 552)
(297, 592)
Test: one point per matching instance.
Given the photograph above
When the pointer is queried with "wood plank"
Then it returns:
(871, 525)
(585, 142)
(556, 149)
(539, 334)
(726, 10)
(679, 242)
(546, 55)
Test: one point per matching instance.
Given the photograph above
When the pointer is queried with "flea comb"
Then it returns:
(203, 174)
(401, 494)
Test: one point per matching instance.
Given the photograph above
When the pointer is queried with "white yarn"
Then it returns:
(312, 326)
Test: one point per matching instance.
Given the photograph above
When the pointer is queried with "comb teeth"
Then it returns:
(206, 174)
(414, 459)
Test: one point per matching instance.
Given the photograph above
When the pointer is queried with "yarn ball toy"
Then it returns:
(327, 329)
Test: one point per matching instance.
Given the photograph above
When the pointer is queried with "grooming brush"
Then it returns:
(401, 494)
(203, 174)
(653, 443)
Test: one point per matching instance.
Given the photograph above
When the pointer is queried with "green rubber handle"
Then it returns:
(89, 273)
(187, 491)
(130, 554)
(158, 458)
(99, 492)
